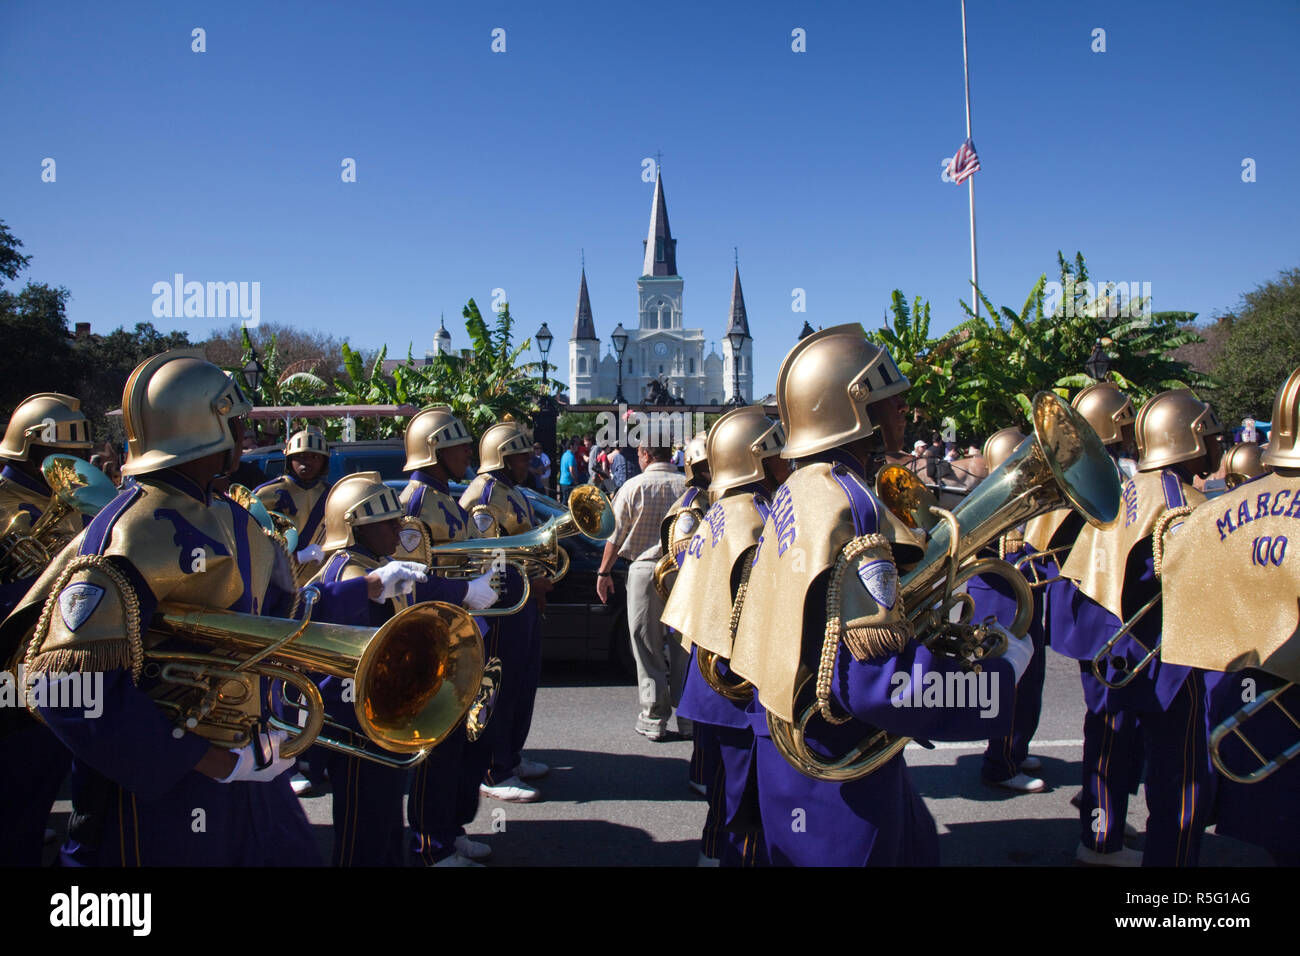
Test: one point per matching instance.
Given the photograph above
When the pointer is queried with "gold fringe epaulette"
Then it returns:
(868, 643)
(124, 653)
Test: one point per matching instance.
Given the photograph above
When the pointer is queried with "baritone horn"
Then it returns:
(75, 485)
(414, 678)
(535, 553)
(1234, 725)
(1062, 464)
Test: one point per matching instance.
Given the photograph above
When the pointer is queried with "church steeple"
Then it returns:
(739, 320)
(584, 327)
(660, 246)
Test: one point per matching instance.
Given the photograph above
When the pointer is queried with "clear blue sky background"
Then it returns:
(479, 170)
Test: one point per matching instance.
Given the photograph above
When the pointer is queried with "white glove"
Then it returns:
(398, 577)
(313, 552)
(481, 594)
(1020, 650)
(246, 769)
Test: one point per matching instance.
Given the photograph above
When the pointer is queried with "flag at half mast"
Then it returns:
(964, 164)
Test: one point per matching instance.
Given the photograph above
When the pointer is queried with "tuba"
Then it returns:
(414, 678)
(75, 485)
(1062, 463)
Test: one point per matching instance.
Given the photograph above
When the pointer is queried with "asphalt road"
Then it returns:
(614, 798)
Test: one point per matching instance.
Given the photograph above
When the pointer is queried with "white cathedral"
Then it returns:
(660, 347)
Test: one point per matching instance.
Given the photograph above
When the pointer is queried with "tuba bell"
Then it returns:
(1062, 463)
(75, 485)
(414, 678)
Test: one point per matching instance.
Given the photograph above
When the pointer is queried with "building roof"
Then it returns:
(739, 320)
(660, 246)
(584, 327)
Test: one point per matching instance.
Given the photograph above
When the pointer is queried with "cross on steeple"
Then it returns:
(659, 158)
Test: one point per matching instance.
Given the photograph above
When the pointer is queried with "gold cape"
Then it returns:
(1231, 581)
(1099, 558)
(507, 505)
(810, 523)
(700, 606)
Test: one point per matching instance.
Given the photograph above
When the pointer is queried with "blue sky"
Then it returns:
(479, 170)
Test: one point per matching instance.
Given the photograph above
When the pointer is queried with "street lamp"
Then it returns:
(544, 339)
(1098, 364)
(253, 373)
(737, 339)
(619, 338)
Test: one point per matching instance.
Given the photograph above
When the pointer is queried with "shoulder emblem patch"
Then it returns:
(880, 578)
(410, 539)
(78, 601)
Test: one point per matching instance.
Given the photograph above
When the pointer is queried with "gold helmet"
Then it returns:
(1242, 463)
(429, 430)
(357, 499)
(1000, 445)
(1106, 409)
(1172, 427)
(46, 418)
(825, 385)
(737, 444)
(1283, 445)
(178, 406)
(309, 441)
(502, 439)
(697, 452)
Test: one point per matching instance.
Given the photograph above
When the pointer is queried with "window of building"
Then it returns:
(692, 364)
(661, 369)
(659, 250)
(582, 366)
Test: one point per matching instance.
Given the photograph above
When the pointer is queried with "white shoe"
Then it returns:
(1021, 783)
(531, 769)
(707, 860)
(301, 785)
(1124, 857)
(513, 790)
(1031, 763)
(698, 788)
(472, 848)
(457, 860)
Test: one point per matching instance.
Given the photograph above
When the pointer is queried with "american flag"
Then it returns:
(964, 164)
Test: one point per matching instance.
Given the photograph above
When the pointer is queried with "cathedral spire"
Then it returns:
(584, 327)
(739, 320)
(660, 246)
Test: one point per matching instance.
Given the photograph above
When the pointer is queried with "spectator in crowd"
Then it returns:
(679, 458)
(599, 469)
(569, 475)
(583, 451)
(660, 660)
(539, 469)
(617, 469)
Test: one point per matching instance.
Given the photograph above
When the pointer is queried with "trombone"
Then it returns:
(1233, 725)
(1126, 629)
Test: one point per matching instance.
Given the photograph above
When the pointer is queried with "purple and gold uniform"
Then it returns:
(305, 505)
(1115, 575)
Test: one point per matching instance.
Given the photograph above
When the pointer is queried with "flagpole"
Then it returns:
(970, 181)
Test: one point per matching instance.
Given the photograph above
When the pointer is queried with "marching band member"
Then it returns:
(360, 586)
(1007, 758)
(444, 790)
(1117, 573)
(743, 450)
(1243, 463)
(32, 761)
(146, 791)
(675, 533)
(300, 495)
(826, 390)
(497, 506)
(1242, 619)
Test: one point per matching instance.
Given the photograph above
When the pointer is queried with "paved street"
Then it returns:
(614, 798)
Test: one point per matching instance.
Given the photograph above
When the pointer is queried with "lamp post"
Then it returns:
(547, 415)
(737, 339)
(619, 338)
(1098, 365)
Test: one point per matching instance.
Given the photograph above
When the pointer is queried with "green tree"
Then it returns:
(105, 363)
(1260, 349)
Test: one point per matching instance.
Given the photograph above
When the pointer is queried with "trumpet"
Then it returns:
(414, 678)
(75, 485)
(1062, 463)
